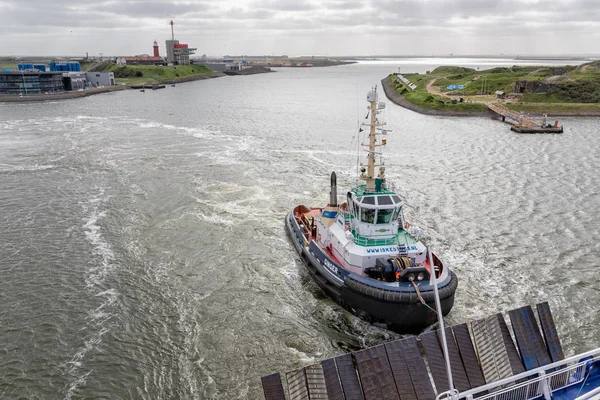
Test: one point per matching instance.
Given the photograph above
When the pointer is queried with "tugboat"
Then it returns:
(363, 253)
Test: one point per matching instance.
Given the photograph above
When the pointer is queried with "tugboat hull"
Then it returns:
(400, 309)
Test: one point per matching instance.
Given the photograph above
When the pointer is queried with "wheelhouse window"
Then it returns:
(385, 216)
(368, 200)
(367, 215)
(384, 200)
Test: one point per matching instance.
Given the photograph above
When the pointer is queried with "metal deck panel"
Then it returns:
(400, 370)
(492, 354)
(459, 375)
(417, 369)
(435, 358)
(549, 330)
(516, 363)
(529, 340)
(297, 388)
(484, 351)
(272, 387)
(526, 348)
(542, 352)
(315, 382)
(375, 374)
(348, 377)
(468, 355)
(500, 352)
(332, 380)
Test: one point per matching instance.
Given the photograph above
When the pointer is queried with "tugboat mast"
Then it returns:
(369, 178)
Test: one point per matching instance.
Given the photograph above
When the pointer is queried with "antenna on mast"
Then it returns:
(373, 183)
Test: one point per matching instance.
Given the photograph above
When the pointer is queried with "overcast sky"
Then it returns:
(301, 27)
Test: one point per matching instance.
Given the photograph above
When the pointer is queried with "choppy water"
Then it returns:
(142, 248)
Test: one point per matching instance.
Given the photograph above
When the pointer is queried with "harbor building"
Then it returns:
(31, 82)
(100, 78)
(74, 81)
(178, 53)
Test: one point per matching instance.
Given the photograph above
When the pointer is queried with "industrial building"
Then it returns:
(100, 78)
(178, 53)
(63, 76)
(31, 82)
(74, 81)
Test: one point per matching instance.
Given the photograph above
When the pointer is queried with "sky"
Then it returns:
(301, 27)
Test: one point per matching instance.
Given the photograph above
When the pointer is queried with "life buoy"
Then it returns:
(319, 237)
(406, 225)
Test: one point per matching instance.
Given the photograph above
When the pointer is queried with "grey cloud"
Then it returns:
(346, 5)
(477, 22)
(240, 13)
(285, 5)
(159, 9)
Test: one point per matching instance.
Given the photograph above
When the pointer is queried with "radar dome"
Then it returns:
(372, 96)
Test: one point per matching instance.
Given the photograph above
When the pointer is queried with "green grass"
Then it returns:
(433, 102)
(140, 74)
(154, 74)
(578, 92)
(8, 65)
(557, 108)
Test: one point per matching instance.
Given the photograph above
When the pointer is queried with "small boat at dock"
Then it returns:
(363, 253)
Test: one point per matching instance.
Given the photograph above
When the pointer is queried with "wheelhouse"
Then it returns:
(376, 214)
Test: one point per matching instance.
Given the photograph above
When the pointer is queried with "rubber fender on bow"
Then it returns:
(401, 297)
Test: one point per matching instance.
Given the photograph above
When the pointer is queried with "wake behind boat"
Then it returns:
(362, 252)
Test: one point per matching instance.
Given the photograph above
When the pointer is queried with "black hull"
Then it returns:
(402, 312)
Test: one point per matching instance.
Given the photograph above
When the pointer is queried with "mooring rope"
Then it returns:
(412, 280)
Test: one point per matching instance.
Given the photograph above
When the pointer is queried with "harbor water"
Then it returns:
(142, 245)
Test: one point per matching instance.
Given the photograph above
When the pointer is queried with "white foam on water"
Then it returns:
(95, 282)
(195, 132)
(302, 356)
(215, 219)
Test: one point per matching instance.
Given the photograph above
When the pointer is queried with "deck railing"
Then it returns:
(539, 382)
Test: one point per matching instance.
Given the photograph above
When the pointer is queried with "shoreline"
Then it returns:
(399, 100)
(90, 92)
(8, 98)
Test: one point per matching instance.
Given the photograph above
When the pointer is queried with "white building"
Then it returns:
(100, 78)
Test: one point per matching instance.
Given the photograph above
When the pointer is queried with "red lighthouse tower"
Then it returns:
(156, 49)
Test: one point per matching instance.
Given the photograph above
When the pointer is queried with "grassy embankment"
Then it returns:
(150, 74)
(7, 65)
(577, 89)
